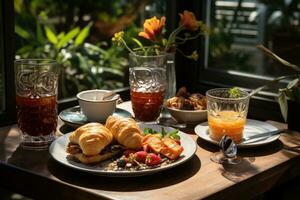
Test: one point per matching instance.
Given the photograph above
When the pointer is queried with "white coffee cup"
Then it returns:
(97, 105)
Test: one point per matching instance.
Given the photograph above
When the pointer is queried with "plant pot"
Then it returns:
(293, 119)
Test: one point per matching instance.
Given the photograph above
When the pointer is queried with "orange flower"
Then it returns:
(189, 20)
(153, 27)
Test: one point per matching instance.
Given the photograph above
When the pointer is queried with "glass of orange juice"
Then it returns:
(227, 113)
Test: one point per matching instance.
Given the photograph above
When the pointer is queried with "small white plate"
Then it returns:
(58, 152)
(75, 118)
(252, 127)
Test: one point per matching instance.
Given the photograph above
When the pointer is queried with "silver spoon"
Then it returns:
(108, 95)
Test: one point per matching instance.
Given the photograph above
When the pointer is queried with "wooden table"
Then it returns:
(36, 174)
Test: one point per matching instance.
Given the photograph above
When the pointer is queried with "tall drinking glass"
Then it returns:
(147, 78)
(226, 115)
(36, 99)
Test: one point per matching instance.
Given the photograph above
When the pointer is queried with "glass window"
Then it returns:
(78, 35)
(237, 26)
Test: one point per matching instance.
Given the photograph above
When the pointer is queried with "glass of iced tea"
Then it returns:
(36, 100)
(226, 113)
(147, 78)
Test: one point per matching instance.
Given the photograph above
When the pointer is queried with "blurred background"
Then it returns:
(77, 33)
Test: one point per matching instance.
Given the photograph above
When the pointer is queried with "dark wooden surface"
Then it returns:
(36, 174)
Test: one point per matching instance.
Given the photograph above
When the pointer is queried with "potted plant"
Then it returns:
(289, 97)
(155, 39)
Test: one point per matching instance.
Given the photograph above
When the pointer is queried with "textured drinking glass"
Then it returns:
(36, 99)
(226, 116)
(147, 78)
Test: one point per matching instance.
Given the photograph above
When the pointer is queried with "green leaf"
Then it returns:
(283, 105)
(68, 37)
(148, 131)
(84, 33)
(39, 34)
(293, 83)
(83, 64)
(61, 35)
(174, 135)
(270, 83)
(22, 32)
(138, 43)
(50, 35)
(18, 4)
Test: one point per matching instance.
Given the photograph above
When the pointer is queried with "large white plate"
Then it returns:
(58, 152)
(252, 127)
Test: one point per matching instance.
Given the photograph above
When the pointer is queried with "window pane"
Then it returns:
(239, 25)
(78, 35)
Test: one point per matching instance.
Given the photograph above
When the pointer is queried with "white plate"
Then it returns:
(252, 127)
(58, 152)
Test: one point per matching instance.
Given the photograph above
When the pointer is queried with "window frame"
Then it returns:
(8, 116)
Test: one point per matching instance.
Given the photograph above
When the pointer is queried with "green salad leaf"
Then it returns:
(172, 134)
(148, 131)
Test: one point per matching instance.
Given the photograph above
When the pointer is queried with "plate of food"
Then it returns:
(256, 133)
(186, 107)
(123, 148)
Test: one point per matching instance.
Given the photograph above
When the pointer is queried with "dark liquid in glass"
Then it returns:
(37, 116)
(147, 105)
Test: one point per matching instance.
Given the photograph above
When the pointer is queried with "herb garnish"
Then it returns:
(234, 92)
(172, 134)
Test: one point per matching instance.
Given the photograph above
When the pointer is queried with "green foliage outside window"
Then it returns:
(83, 65)
(77, 35)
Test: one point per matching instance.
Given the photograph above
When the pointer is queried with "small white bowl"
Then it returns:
(94, 107)
(188, 116)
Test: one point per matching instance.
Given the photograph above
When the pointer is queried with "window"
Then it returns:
(237, 26)
(78, 35)
(229, 55)
(7, 91)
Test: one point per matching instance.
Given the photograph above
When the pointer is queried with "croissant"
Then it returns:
(125, 131)
(92, 138)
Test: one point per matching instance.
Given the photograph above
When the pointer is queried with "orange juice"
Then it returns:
(226, 123)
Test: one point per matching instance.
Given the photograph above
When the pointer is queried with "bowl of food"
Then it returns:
(186, 107)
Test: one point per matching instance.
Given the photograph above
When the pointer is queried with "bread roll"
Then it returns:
(92, 138)
(125, 131)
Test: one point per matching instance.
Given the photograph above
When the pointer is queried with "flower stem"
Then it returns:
(181, 52)
(127, 47)
(183, 40)
(172, 37)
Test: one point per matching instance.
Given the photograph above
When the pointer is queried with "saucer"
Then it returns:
(252, 127)
(74, 117)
